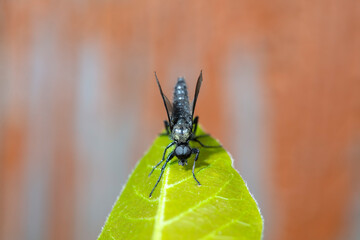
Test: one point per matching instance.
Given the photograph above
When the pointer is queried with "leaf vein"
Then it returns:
(112, 237)
(159, 220)
(142, 196)
(176, 218)
(229, 199)
(187, 178)
(138, 219)
(212, 233)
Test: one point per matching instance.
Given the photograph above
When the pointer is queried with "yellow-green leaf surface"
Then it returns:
(221, 208)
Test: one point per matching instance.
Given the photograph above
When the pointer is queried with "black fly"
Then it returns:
(181, 126)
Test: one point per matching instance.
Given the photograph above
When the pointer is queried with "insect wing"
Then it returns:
(167, 103)
(197, 90)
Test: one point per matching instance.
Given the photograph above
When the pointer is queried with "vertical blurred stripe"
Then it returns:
(247, 123)
(88, 138)
(14, 127)
(41, 137)
(91, 141)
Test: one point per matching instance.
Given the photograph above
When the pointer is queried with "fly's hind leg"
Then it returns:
(195, 151)
(203, 145)
(195, 138)
(167, 128)
(200, 136)
(195, 123)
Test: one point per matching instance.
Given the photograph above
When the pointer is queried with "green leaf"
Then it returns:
(221, 208)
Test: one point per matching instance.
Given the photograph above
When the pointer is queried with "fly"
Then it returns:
(181, 126)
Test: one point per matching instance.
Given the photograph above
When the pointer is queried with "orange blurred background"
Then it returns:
(79, 106)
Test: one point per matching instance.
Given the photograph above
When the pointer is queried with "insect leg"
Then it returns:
(163, 157)
(195, 123)
(196, 151)
(203, 145)
(200, 136)
(167, 127)
(171, 155)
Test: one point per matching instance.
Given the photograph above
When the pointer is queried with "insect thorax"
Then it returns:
(181, 131)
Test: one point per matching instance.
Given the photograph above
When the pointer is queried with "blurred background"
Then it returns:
(79, 106)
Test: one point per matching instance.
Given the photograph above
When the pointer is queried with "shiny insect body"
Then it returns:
(181, 126)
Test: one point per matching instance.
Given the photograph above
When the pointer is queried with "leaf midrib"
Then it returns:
(159, 220)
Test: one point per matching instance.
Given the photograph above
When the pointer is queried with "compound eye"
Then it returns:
(179, 151)
(187, 151)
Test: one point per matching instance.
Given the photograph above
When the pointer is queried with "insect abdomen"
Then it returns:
(181, 106)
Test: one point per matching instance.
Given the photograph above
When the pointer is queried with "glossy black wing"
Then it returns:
(197, 90)
(167, 103)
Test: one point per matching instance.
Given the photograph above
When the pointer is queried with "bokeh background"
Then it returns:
(79, 106)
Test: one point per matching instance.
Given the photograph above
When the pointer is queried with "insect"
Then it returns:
(181, 126)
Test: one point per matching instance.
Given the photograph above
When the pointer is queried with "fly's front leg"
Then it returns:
(163, 157)
(195, 151)
(171, 155)
(167, 128)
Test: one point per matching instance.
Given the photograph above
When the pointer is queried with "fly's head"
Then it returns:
(182, 152)
(181, 133)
